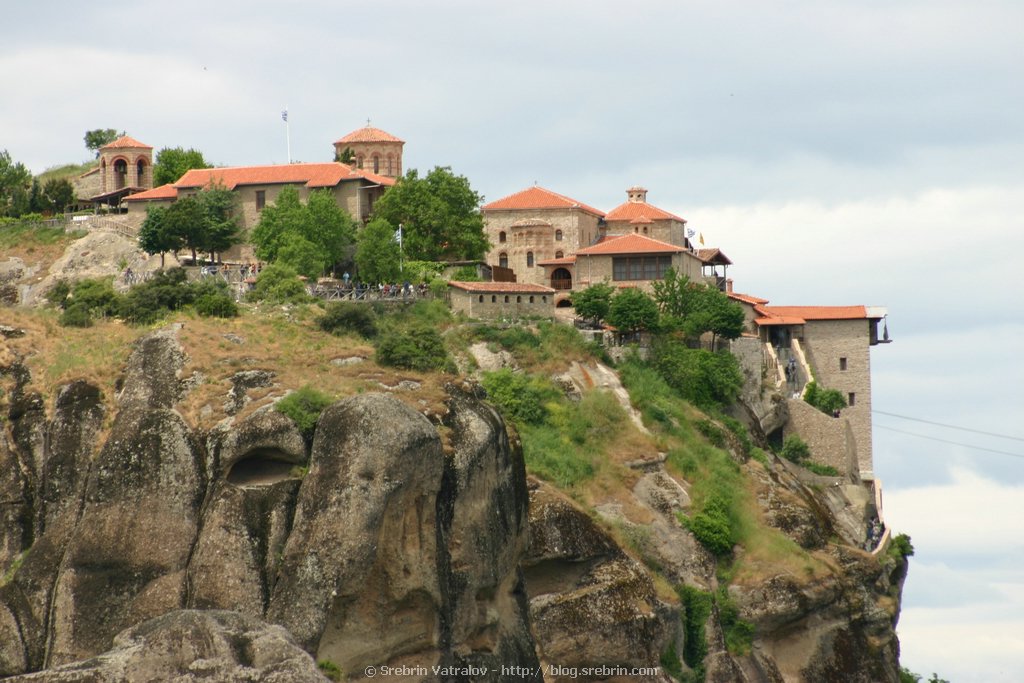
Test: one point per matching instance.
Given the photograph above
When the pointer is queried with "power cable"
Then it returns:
(949, 426)
(955, 443)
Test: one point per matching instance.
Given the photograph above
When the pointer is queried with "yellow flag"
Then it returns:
(702, 239)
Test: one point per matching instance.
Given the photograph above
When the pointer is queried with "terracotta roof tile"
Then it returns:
(539, 198)
(368, 134)
(631, 211)
(818, 312)
(502, 287)
(630, 244)
(714, 256)
(167, 191)
(310, 175)
(564, 261)
(747, 298)
(126, 141)
(780, 320)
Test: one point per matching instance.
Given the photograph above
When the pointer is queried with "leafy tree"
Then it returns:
(632, 310)
(221, 228)
(185, 221)
(418, 347)
(795, 449)
(704, 378)
(172, 163)
(94, 139)
(827, 401)
(153, 235)
(278, 284)
(593, 302)
(377, 252)
(309, 237)
(58, 194)
(695, 308)
(15, 181)
(439, 215)
(345, 156)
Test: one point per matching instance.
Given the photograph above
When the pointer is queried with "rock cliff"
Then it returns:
(136, 546)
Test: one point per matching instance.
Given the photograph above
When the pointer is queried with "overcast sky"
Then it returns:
(839, 152)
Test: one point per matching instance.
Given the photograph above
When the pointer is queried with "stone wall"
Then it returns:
(578, 229)
(594, 269)
(497, 305)
(831, 439)
(827, 343)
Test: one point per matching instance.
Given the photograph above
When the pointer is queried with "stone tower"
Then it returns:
(373, 150)
(125, 163)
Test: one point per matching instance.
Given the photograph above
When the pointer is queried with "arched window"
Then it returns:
(376, 164)
(502, 237)
(559, 254)
(359, 161)
(481, 299)
(519, 299)
(389, 166)
(503, 260)
(140, 172)
(506, 298)
(544, 299)
(494, 298)
(120, 173)
(558, 235)
(529, 259)
(531, 298)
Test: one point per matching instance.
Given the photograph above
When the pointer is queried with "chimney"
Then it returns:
(637, 195)
(728, 285)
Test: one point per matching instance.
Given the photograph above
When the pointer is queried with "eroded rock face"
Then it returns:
(378, 545)
(591, 604)
(190, 645)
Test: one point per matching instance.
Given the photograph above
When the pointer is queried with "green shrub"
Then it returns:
(329, 669)
(149, 301)
(76, 315)
(518, 396)
(416, 348)
(795, 449)
(304, 406)
(827, 401)
(58, 294)
(739, 634)
(901, 544)
(711, 432)
(697, 605)
(550, 455)
(713, 527)
(704, 378)
(98, 296)
(278, 284)
(821, 469)
(347, 317)
(739, 430)
(216, 306)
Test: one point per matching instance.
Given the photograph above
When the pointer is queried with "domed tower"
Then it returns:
(372, 149)
(125, 163)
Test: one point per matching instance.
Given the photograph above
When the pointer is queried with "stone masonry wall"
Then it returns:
(830, 439)
(829, 341)
(503, 305)
(578, 228)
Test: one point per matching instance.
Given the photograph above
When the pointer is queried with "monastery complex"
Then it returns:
(544, 246)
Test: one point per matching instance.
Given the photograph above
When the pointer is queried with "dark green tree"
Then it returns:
(694, 308)
(593, 302)
(439, 215)
(377, 254)
(345, 156)
(221, 229)
(58, 194)
(185, 221)
(153, 235)
(94, 139)
(15, 182)
(632, 310)
(172, 163)
(312, 236)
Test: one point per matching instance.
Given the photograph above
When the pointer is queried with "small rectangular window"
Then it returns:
(261, 199)
(851, 398)
(842, 363)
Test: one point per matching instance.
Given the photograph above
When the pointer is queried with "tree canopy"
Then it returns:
(377, 254)
(172, 162)
(695, 308)
(439, 215)
(15, 182)
(204, 222)
(310, 237)
(593, 302)
(632, 310)
(94, 139)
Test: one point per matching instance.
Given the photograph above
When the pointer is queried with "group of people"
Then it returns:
(351, 289)
(874, 534)
(232, 272)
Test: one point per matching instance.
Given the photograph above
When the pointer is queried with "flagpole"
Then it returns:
(287, 132)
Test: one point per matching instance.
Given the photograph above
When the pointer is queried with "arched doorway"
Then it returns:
(561, 278)
(120, 174)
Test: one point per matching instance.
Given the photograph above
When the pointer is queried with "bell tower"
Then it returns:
(373, 150)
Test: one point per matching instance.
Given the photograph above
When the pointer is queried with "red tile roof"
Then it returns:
(502, 287)
(629, 244)
(310, 175)
(126, 141)
(631, 211)
(167, 191)
(368, 134)
(818, 312)
(539, 198)
(747, 298)
(714, 256)
(780, 320)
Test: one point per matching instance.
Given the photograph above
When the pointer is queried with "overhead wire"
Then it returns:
(954, 443)
(949, 426)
